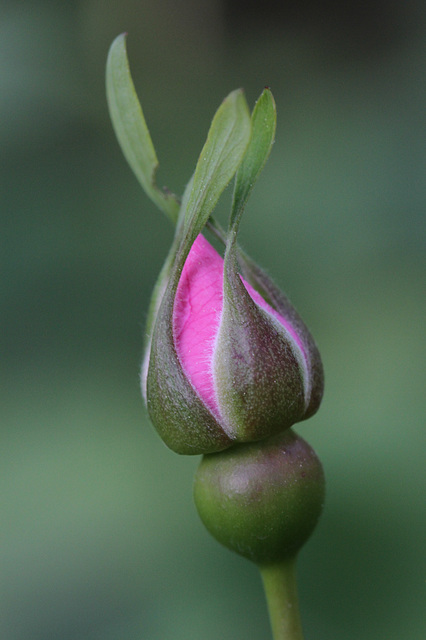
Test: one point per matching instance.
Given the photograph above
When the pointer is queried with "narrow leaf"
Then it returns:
(220, 157)
(131, 129)
(262, 138)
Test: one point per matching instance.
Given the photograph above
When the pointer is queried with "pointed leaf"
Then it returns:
(263, 122)
(220, 157)
(131, 129)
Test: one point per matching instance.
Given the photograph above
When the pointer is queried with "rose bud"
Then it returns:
(227, 367)
(224, 365)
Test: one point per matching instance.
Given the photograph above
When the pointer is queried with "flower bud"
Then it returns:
(224, 366)
(227, 359)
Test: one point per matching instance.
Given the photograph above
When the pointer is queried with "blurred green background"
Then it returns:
(99, 536)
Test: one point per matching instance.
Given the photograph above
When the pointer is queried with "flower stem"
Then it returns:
(279, 581)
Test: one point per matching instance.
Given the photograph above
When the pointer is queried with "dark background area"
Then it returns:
(99, 536)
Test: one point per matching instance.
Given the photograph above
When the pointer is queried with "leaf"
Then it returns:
(263, 121)
(220, 157)
(131, 129)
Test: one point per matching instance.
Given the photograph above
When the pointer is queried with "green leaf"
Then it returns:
(263, 119)
(130, 127)
(263, 122)
(226, 144)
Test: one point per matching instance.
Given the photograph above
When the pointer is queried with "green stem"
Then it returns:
(279, 581)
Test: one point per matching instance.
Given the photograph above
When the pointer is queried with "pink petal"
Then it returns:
(197, 311)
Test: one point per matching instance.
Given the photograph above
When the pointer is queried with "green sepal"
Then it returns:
(131, 129)
(154, 305)
(183, 421)
(160, 286)
(263, 125)
(314, 371)
(257, 371)
(223, 151)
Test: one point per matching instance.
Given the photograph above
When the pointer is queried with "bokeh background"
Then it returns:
(99, 536)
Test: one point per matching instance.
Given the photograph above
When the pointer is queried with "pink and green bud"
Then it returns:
(229, 360)
(224, 366)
